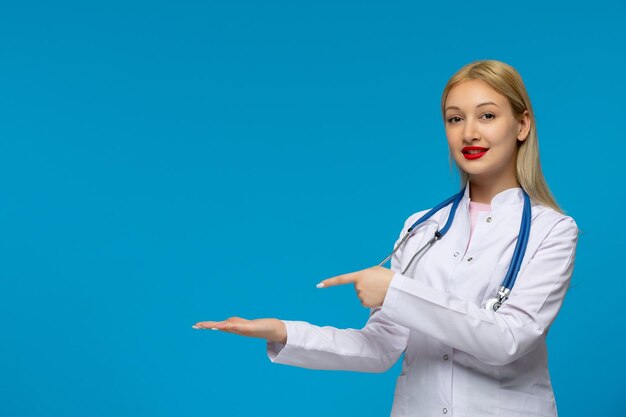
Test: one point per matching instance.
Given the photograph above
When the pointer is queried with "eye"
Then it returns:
(491, 116)
(453, 119)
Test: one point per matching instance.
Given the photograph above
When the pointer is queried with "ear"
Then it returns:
(524, 126)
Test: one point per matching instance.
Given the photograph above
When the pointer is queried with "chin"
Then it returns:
(473, 170)
(471, 166)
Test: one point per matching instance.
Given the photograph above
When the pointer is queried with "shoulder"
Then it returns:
(546, 222)
(548, 219)
(414, 217)
(555, 233)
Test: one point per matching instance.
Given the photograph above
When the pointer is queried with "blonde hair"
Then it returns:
(506, 80)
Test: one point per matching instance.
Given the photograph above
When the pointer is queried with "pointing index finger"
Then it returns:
(338, 280)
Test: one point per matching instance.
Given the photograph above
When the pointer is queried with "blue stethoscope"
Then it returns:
(520, 247)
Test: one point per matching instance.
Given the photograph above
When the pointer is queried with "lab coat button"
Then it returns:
(469, 259)
(456, 254)
(445, 357)
(445, 411)
(488, 219)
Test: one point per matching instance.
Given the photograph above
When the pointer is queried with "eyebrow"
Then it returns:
(481, 104)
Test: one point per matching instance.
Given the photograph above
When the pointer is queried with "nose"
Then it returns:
(469, 131)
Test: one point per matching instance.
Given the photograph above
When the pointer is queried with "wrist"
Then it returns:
(280, 333)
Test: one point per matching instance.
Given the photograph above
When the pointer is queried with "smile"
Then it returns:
(473, 152)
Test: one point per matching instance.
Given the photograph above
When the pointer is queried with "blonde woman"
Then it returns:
(464, 357)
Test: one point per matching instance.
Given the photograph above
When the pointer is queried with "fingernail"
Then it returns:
(320, 285)
(195, 327)
(213, 328)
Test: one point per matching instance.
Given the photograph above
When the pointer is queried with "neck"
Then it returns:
(483, 191)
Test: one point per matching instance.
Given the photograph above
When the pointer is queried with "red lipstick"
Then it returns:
(473, 155)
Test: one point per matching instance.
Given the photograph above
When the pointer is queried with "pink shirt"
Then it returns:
(474, 209)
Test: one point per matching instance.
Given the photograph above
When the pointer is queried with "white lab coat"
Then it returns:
(461, 360)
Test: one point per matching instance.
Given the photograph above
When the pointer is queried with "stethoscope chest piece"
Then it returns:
(496, 302)
(493, 304)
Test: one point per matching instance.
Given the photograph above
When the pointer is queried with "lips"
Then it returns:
(473, 152)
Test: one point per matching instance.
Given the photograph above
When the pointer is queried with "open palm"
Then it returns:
(270, 329)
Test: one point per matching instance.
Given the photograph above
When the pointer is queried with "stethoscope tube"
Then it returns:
(518, 254)
(455, 200)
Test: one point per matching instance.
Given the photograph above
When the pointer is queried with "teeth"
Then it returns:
(474, 151)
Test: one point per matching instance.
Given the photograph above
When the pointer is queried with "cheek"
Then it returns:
(501, 136)
(496, 131)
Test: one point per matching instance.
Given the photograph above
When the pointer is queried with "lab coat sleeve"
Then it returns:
(494, 337)
(374, 348)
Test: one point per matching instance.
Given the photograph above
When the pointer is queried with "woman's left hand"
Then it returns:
(371, 284)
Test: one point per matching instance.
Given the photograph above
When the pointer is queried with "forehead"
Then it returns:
(472, 93)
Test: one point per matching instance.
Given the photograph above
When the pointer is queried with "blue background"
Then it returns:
(164, 163)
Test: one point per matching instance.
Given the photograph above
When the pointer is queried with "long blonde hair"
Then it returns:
(506, 80)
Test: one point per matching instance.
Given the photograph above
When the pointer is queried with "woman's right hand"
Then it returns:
(273, 330)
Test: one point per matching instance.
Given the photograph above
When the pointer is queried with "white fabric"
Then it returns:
(461, 360)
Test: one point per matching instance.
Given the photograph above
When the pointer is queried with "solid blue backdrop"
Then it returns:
(164, 163)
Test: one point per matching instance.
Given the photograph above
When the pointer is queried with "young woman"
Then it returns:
(470, 351)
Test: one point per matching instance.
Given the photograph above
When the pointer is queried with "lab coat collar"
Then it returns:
(507, 198)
